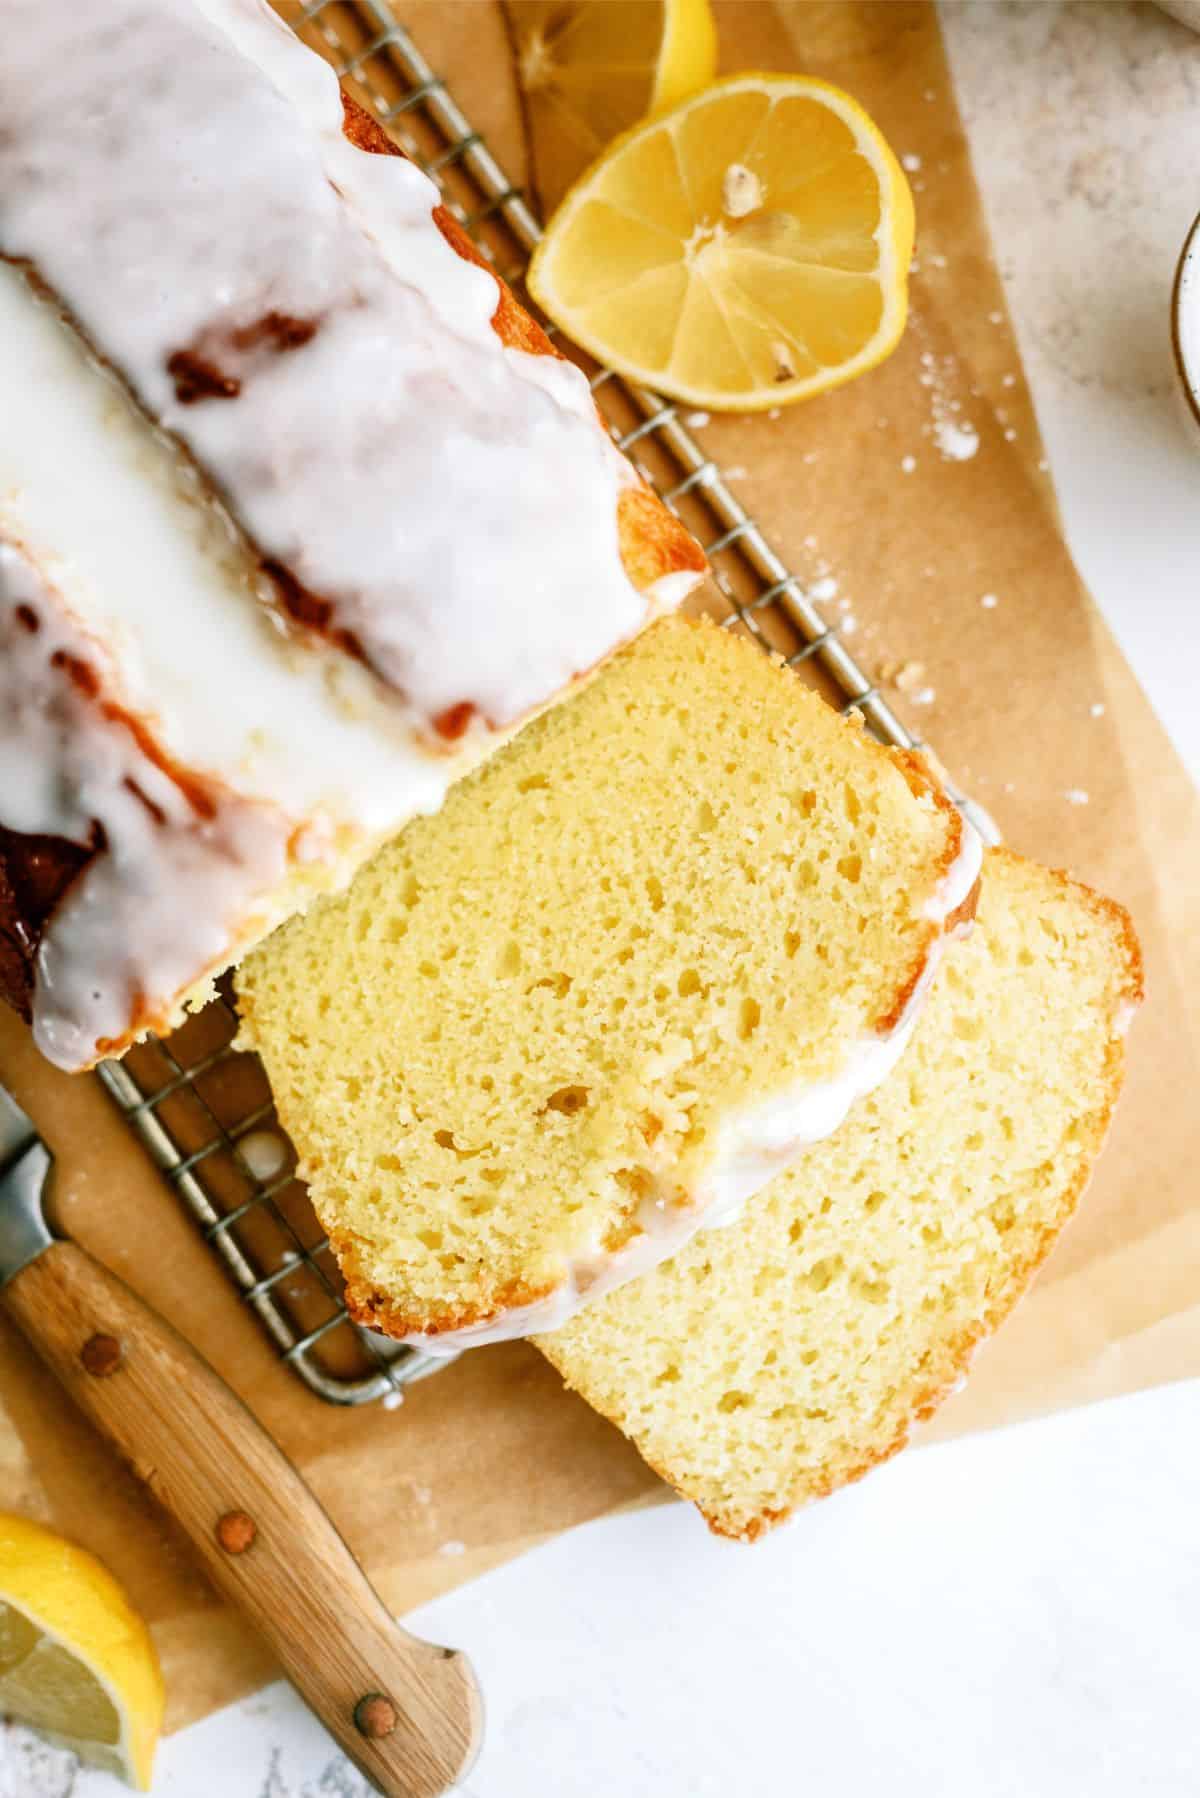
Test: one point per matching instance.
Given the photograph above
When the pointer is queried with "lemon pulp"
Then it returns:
(744, 250)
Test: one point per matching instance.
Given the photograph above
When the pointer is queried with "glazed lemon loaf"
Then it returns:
(657, 944)
(766, 1365)
(300, 512)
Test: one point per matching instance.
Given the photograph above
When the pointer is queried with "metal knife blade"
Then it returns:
(16, 1130)
(24, 1164)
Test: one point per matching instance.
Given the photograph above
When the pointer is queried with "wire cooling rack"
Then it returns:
(201, 1106)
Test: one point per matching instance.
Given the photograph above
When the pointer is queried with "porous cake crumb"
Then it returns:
(659, 943)
(766, 1366)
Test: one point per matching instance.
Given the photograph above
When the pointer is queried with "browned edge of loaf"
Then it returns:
(37, 872)
(394, 1315)
(956, 1363)
(653, 542)
(375, 1310)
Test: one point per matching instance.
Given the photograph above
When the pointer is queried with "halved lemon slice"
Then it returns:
(76, 1661)
(589, 69)
(747, 249)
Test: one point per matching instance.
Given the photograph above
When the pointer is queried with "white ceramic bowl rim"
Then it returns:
(1185, 317)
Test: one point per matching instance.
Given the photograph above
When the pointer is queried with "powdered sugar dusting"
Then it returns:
(956, 442)
(955, 437)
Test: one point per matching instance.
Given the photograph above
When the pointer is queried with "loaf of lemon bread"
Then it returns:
(659, 942)
(300, 514)
(766, 1365)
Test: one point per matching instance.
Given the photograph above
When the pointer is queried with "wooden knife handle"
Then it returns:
(406, 1713)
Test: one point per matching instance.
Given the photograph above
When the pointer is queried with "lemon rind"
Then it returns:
(893, 239)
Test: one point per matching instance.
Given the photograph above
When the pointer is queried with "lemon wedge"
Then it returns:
(76, 1661)
(589, 69)
(747, 249)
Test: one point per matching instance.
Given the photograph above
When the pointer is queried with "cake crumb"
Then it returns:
(696, 421)
(452, 1548)
(849, 624)
(825, 588)
(924, 696)
(1076, 796)
(264, 1153)
(956, 442)
(736, 473)
(775, 412)
(989, 602)
(1097, 709)
(392, 1401)
(907, 464)
(1010, 436)
(995, 318)
(902, 675)
(910, 162)
(1008, 381)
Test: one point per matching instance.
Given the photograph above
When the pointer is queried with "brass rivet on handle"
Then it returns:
(375, 1716)
(236, 1532)
(101, 1355)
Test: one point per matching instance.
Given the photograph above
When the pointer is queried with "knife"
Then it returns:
(405, 1712)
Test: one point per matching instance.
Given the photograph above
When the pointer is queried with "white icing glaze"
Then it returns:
(753, 1145)
(147, 168)
(1124, 1015)
(180, 867)
(177, 172)
(82, 479)
(957, 884)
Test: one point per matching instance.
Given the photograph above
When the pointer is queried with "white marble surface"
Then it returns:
(1084, 121)
(1016, 1616)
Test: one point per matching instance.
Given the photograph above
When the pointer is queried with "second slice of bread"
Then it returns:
(768, 1364)
(660, 942)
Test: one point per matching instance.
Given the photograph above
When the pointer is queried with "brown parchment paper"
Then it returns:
(492, 1454)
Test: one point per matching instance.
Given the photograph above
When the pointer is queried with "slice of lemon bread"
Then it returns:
(766, 1365)
(663, 940)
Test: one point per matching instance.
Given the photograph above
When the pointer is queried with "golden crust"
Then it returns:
(923, 783)
(376, 1310)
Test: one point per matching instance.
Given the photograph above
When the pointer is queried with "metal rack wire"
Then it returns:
(200, 1105)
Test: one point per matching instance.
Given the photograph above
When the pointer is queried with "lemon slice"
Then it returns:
(76, 1661)
(745, 250)
(589, 69)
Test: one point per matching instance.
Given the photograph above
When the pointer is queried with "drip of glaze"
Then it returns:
(174, 865)
(285, 304)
